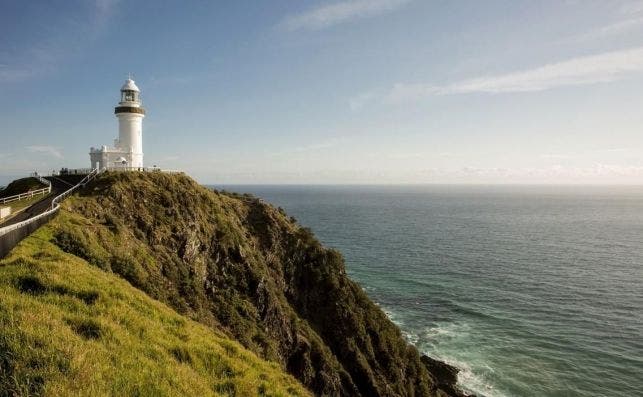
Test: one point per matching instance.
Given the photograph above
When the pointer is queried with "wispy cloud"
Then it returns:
(404, 156)
(555, 156)
(631, 7)
(49, 52)
(313, 147)
(339, 12)
(558, 172)
(361, 100)
(601, 68)
(104, 9)
(12, 75)
(620, 151)
(48, 150)
(618, 28)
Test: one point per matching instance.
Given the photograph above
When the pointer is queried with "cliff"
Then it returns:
(245, 269)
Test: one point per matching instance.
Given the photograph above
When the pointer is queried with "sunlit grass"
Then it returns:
(68, 328)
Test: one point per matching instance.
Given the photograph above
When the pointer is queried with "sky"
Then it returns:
(331, 92)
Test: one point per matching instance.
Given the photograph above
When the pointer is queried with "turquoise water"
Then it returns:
(530, 291)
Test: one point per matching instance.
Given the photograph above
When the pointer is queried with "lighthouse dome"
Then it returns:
(130, 86)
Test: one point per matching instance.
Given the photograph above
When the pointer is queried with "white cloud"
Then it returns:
(10, 75)
(343, 11)
(313, 147)
(404, 156)
(361, 100)
(596, 173)
(622, 27)
(104, 8)
(48, 150)
(600, 173)
(618, 150)
(587, 154)
(601, 68)
(553, 156)
(631, 7)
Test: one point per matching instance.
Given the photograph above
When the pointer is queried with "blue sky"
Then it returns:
(378, 91)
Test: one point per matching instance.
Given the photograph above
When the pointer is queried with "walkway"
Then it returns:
(38, 214)
(57, 187)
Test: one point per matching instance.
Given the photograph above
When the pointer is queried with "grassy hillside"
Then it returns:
(22, 185)
(240, 265)
(68, 328)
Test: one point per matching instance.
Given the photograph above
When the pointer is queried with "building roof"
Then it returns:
(130, 85)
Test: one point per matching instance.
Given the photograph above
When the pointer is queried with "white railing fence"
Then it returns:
(83, 171)
(72, 171)
(92, 174)
(143, 169)
(41, 179)
(22, 196)
(55, 204)
(29, 194)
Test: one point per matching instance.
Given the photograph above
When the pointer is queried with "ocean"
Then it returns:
(529, 290)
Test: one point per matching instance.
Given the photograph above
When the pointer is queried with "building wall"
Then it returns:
(111, 158)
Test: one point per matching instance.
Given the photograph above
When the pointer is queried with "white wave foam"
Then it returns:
(445, 341)
(394, 317)
(411, 337)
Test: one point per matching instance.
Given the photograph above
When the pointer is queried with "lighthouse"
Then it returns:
(130, 123)
(127, 152)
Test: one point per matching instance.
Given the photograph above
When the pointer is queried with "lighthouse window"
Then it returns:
(129, 96)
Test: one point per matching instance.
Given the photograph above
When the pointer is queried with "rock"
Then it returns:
(446, 376)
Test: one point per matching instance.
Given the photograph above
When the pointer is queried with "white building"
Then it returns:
(128, 148)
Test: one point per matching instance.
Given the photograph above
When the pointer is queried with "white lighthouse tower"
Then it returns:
(127, 152)
(130, 123)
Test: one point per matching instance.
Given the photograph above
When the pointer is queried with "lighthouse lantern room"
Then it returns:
(127, 152)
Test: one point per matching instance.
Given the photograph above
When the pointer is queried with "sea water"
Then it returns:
(530, 291)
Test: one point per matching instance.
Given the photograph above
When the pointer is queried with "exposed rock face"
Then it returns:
(445, 375)
(238, 264)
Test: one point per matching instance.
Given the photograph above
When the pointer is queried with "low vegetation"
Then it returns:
(22, 185)
(150, 284)
(239, 265)
(68, 328)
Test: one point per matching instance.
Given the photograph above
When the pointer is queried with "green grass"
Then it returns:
(86, 315)
(71, 329)
(22, 185)
(236, 264)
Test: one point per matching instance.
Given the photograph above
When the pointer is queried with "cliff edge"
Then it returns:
(244, 268)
